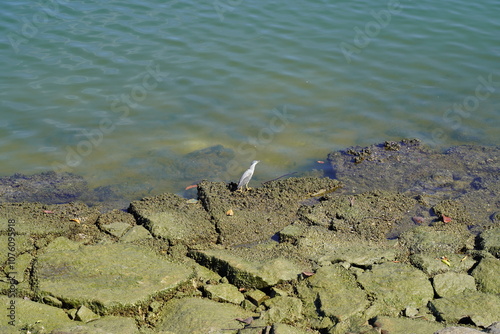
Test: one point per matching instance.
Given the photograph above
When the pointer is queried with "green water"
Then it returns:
(116, 91)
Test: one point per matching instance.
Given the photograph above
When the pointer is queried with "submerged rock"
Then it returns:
(47, 188)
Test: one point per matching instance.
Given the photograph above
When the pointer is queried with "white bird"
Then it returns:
(247, 176)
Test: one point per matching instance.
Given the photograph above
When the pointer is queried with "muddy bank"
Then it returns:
(405, 239)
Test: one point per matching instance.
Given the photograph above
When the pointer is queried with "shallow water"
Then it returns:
(117, 91)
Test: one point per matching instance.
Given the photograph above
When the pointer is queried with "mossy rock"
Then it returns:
(106, 278)
(394, 287)
(200, 316)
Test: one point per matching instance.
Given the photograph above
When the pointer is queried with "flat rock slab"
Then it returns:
(245, 272)
(58, 219)
(259, 213)
(200, 316)
(406, 325)
(31, 313)
(450, 284)
(333, 289)
(172, 218)
(372, 215)
(105, 277)
(432, 263)
(459, 330)
(443, 239)
(224, 292)
(104, 325)
(479, 308)
(322, 245)
(396, 286)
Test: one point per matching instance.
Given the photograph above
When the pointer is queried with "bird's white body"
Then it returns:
(247, 176)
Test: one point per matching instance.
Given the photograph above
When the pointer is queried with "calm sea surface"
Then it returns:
(116, 91)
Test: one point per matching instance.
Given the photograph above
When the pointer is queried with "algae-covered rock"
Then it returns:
(137, 232)
(106, 277)
(104, 325)
(279, 328)
(257, 297)
(490, 241)
(360, 255)
(116, 229)
(282, 309)
(469, 173)
(245, 272)
(116, 216)
(84, 314)
(224, 293)
(333, 289)
(454, 209)
(25, 313)
(201, 316)
(438, 263)
(479, 308)
(396, 286)
(372, 215)
(450, 284)
(487, 275)
(41, 220)
(170, 217)
(444, 240)
(458, 330)
(394, 325)
(261, 212)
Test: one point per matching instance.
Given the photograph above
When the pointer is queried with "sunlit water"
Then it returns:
(116, 91)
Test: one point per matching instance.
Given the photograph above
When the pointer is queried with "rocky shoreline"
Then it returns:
(397, 238)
